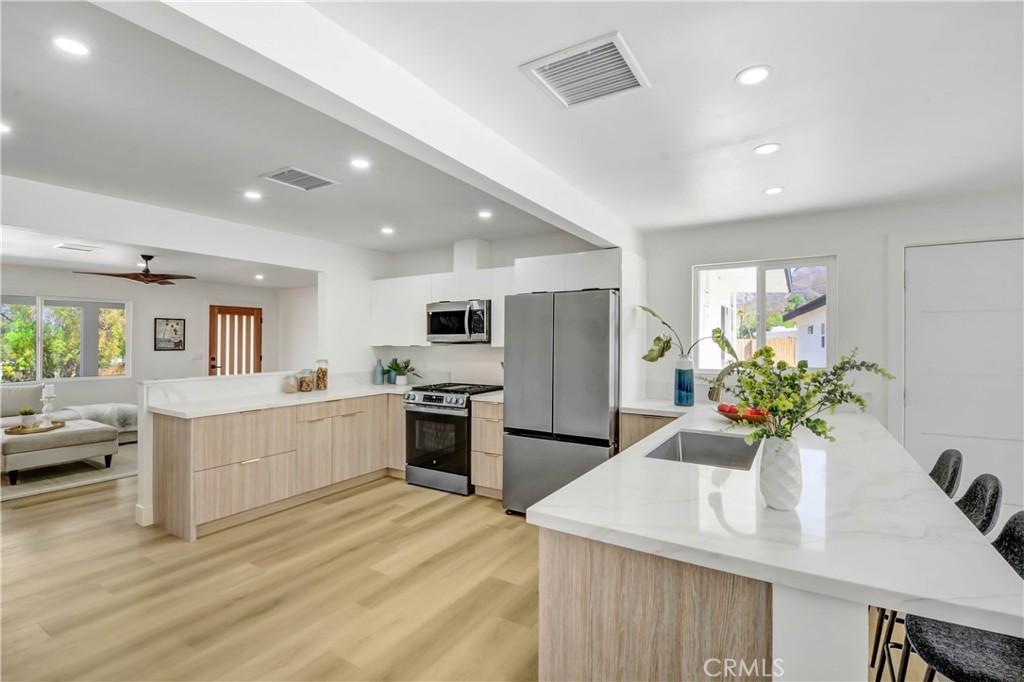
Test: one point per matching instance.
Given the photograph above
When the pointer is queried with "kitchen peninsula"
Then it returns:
(656, 569)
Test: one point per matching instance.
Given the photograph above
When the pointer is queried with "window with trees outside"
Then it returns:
(784, 304)
(44, 338)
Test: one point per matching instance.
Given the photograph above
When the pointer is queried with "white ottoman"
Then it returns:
(77, 440)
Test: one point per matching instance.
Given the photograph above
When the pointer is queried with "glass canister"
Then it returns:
(321, 375)
(291, 383)
(306, 380)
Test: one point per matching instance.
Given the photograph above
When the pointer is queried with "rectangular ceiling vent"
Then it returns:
(299, 179)
(76, 247)
(593, 70)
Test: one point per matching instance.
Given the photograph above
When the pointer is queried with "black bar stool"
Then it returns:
(968, 654)
(946, 474)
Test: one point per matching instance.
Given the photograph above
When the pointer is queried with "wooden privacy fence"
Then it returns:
(785, 348)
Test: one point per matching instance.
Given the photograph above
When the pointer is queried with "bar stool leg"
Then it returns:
(878, 634)
(904, 660)
(891, 615)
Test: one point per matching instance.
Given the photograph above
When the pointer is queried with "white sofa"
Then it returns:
(122, 416)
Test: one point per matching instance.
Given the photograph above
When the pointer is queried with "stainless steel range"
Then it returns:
(437, 435)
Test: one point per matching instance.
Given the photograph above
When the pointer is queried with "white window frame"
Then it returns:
(39, 303)
(832, 299)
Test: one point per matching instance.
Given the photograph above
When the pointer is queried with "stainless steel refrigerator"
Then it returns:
(561, 390)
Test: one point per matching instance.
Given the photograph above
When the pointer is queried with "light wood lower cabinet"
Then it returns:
(396, 433)
(314, 456)
(229, 438)
(360, 437)
(486, 431)
(215, 493)
(633, 428)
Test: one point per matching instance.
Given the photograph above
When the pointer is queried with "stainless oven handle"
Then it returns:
(469, 332)
(432, 410)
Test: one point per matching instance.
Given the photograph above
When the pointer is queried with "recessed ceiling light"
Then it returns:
(772, 191)
(4, 128)
(258, 276)
(753, 75)
(360, 163)
(387, 230)
(484, 214)
(72, 46)
(766, 149)
(253, 195)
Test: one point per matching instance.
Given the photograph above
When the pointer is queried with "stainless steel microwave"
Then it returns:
(459, 322)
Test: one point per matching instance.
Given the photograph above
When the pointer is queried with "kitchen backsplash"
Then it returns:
(469, 362)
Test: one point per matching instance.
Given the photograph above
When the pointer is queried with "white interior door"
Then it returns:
(964, 359)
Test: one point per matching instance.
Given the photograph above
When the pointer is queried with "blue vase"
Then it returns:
(684, 382)
(391, 373)
(378, 373)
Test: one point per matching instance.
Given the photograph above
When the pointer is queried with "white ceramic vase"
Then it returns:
(781, 478)
(28, 420)
(402, 380)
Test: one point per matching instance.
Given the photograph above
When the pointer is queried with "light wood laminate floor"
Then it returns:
(385, 581)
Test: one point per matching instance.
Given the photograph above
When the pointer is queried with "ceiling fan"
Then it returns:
(146, 277)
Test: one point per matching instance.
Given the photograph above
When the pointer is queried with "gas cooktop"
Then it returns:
(465, 389)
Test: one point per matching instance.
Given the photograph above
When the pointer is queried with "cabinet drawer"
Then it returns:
(220, 440)
(314, 411)
(488, 410)
(486, 470)
(265, 480)
(486, 435)
(215, 493)
(273, 430)
(313, 462)
(396, 432)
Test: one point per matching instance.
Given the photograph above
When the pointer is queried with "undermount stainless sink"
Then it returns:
(710, 449)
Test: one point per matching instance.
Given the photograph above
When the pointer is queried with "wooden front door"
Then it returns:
(236, 340)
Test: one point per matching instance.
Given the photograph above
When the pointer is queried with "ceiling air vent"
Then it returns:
(299, 179)
(76, 247)
(592, 70)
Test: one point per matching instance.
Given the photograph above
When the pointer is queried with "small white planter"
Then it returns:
(781, 478)
(402, 380)
(28, 420)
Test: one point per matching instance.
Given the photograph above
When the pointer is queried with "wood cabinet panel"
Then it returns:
(396, 432)
(360, 438)
(486, 470)
(635, 427)
(272, 431)
(220, 440)
(314, 411)
(265, 480)
(485, 435)
(216, 493)
(313, 461)
(486, 410)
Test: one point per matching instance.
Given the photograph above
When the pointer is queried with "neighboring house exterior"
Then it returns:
(810, 331)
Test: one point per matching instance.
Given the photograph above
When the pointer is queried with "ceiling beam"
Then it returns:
(296, 50)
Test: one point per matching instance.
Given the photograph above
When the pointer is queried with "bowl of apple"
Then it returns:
(733, 413)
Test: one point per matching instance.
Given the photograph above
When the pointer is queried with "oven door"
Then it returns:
(437, 440)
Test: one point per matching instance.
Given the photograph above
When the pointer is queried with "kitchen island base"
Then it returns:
(610, 613)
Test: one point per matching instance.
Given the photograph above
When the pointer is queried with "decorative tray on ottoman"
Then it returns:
(35, 428)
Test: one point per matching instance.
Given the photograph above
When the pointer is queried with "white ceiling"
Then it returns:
(146, 119)
(873, 102)
(26, 247)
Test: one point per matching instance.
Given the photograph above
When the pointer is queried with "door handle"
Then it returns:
(469, 332)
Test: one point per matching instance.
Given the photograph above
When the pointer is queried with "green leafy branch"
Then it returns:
(663, 343)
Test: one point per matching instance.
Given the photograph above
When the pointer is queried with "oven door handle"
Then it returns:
(434, 410)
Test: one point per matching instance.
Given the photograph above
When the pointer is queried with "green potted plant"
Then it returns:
(791, 396)
(402, 368)
(682, 388)
(28, 416)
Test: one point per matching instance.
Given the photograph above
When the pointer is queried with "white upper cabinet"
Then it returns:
(398, 311)
(542, 273)
(503, 282)
(444, 287)
(475, 284)
(570, 272)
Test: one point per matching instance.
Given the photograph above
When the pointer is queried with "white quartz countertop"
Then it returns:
(492, 397)
(658, 408)
(226, 405)
(871, 526)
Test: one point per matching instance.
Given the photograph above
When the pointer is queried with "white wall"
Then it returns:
(473, 363)
(857, 237)
(297, 328)
(343, 290)
(188, 300)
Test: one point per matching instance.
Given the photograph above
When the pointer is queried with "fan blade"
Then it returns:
(162, 276)
(166, 283)
(123, 275)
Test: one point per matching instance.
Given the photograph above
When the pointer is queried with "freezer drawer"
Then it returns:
(533, 468)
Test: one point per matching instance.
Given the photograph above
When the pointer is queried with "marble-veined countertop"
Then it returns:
(871, 526)
(194, 409)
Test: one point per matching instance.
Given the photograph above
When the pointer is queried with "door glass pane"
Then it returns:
(111, 342)
(62, 340)
(18, 338)
(795, 310)
(727, 298)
